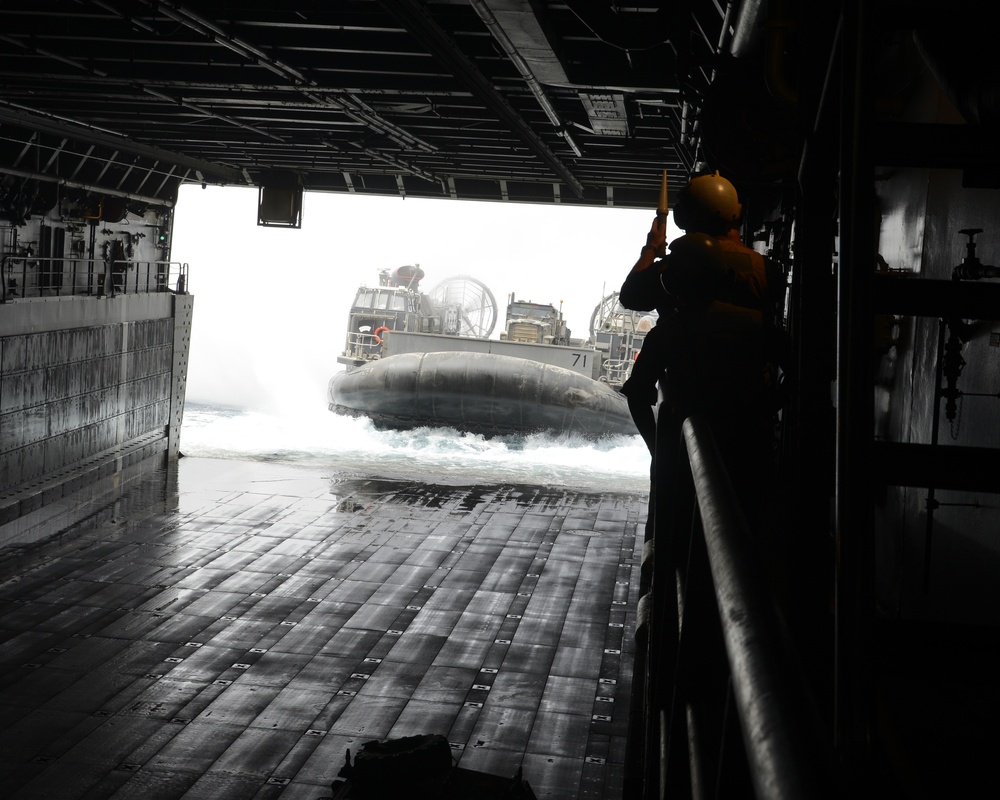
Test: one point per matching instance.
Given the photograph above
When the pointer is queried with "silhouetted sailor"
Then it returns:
(739, 277)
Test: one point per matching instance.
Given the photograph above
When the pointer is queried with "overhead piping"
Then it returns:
(211, 114)
(45, 123)
(172, 100)
(415, 18)
(39, 176)
(494, 27)
(353, 108)
(777, 27)
(395, 162)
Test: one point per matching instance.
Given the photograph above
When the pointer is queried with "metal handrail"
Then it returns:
(617, 370)
(722, 706)
(362, 346)
(32, 277)
(776, 709)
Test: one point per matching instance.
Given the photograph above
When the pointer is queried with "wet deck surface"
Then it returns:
(235, 638)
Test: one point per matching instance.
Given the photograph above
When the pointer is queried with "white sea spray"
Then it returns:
(317, 437)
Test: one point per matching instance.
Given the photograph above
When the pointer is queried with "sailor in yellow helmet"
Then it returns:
(717, 299)
(709, 203)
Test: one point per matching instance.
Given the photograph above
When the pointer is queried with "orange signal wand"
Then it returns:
(661, 207)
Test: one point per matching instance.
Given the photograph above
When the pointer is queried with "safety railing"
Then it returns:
(615, 371)
(363, 346)
(721, 706)
(27, 277)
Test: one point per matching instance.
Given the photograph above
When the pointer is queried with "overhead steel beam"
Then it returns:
(397, 163)
(513, 53)
(351, 106)
(89, 135)
(88, 187)
(414, 17)
(86, 70)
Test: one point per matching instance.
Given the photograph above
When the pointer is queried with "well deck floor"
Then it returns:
(233, 634)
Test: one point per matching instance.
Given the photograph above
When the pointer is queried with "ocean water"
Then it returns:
(349, 446)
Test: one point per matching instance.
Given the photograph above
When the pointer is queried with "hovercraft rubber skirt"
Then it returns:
(480, 392)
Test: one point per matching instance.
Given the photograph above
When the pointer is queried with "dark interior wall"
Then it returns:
(929, 539)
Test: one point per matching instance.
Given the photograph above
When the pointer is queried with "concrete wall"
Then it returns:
(91, 395)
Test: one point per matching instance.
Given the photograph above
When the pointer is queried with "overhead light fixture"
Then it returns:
(279, 200)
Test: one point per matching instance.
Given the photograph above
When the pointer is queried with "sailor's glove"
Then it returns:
(656, 239)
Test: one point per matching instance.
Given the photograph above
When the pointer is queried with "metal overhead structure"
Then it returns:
(543, 101)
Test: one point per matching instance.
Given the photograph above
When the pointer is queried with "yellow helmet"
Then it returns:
(707, 201)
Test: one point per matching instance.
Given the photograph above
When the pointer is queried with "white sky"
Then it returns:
(271, 304)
